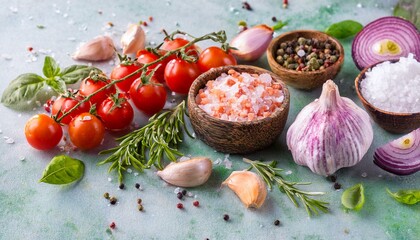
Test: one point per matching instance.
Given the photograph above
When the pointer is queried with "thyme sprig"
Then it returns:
(147, 146)
(271, 175)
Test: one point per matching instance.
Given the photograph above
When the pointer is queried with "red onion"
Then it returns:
(386, 38)
(401, 156)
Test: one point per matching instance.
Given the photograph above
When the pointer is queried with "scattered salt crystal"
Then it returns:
(57, 11)
(301, 53)
(65, 15)
(136, 174)
(359, 5)
(129, 170)
(168, 3)
(288, 172)
(193, 134)
(19, 115)
(9, 140)
(109, 179)
(1, 131)
(177, 190)
(14, 9)
(218, 161)
(380, 175)
(152, 43)
(22, 158)
(6, 56)
(364, 174)
(190, 194)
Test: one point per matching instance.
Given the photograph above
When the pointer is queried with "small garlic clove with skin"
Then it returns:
(330, 133)
(248, 186)
(188, 173)
(100, 48)
(133, 39)
(252, 43)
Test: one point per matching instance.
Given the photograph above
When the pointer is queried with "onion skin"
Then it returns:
(397, 29)
(395, 158)
(252, 43)
(330, 133)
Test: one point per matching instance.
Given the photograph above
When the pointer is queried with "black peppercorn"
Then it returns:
(226, 217)
(113, 200)
(179, 195)
(137, 185)
(337, 186)
(121, 186)
(184, 192)
(277, 222)
(106, 195)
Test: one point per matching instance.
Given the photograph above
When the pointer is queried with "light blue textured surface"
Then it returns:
(30, 210)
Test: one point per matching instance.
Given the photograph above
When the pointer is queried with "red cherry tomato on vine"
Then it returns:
(64, 103)
(214, 57)
(180, 74)
(86, 131)
(43, 132)
(169, 45)
(144, 56)
(149, 98)
(123, 70)
(89, 86)
(116, 113)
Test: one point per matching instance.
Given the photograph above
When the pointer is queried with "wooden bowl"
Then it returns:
(390, 121)
(299, 79)
(236, 137)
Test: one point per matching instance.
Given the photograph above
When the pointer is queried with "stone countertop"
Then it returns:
(32, 210)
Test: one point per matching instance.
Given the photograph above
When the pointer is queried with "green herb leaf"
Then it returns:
(63, 170)
(344, 29)
(410, 10)
(22, 89)
(58, 85)
(75, 73)
(354, 197)
(51, 68)
(279, 25)
(406, 196)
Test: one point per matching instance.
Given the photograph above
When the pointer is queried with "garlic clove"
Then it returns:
(330, 133)
(252, 43)
(98, 49)
(133, 39)
(188, 173)
(248, 186)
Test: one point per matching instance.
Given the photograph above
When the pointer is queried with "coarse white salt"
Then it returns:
(394, 87)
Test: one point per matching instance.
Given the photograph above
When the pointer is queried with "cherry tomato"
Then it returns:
(86, 131)
(116, 113)
(149, 98)
(90, 85)
(180, 74)
(123, 70)
(169, 45)
(144, 56)
(43, 132)
(214, 57)
(64, 103)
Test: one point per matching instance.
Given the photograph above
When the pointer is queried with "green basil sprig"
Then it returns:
(344, 29)
(26, 86)
(354, 197)
(406, 196)
(63, 170)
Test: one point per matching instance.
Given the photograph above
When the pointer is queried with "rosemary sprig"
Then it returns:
(271, 175)
(148, 145)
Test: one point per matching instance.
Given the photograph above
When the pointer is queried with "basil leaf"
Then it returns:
(51, 68)
(75, 73)
(62, 170)
(279, 25)
(58, 85)
(410, 10)
(23, 88)
(354, 197)
(406, 196)
(344, 29)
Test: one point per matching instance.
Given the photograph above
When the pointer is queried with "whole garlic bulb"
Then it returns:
(330, 133)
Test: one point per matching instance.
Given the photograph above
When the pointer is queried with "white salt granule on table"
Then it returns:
(394, 87)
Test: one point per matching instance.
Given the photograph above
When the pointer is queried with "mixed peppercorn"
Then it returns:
(307, 54)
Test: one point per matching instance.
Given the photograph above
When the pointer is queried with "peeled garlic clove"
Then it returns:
(248, 186)
(133, 40)
(330, 133)
(252, 43)
(188, 173)
(98, 49)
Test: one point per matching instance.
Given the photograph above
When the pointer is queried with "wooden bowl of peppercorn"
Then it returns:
(305, 59)
(237, 137)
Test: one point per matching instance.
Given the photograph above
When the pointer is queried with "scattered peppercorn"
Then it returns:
(140, 207)
(332, 178)
(285, 3)
(121, 186)
(150, 18)
(337, 186)
(145, 24)
(110, 24)
(30, 49)
(180, 206)
(184, 192)
(277, 222)
(179, 195)
(113, 200)
(226, 217)
(246, 6)
(106, 195)
(137, 185)
(112, 225)
(274, 19)
(196, 203)
(139, 201)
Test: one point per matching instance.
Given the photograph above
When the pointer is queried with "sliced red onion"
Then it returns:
(370, 44)
(401, 156)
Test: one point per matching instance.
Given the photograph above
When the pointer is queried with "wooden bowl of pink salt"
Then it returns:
(390, 92)
(238, 109)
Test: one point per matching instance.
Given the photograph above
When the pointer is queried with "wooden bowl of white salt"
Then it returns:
(390, 94)
(232, 125)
